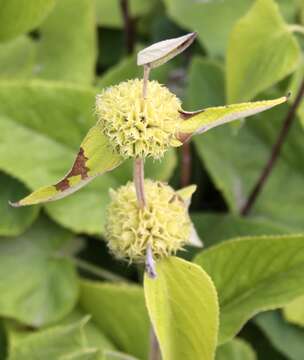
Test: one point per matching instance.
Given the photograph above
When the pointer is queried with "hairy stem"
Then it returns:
(146, 78)
(154, 347)
(139, 182)
(97, 271)
(276, 149)
(186, 162)
(296, 28)
(129, 29)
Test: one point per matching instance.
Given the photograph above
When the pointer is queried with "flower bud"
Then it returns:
(138, 127)
(163, 223)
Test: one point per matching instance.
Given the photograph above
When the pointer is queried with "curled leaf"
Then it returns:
(94, 158)
(203, 120)
(163, 51)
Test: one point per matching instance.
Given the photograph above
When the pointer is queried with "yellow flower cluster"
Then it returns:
(138, 127)
(163, 223)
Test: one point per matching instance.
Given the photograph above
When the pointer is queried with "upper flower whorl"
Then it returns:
(138, 127)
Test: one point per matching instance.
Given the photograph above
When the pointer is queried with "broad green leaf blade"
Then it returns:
(246, 286)
(183, 308)
(213, 20)
(20, 16)
(200, 121)
(163, 51)
(67, 48)
(59, 342)
(261, 52)
(236, 349)
(287, 339)
(17, 58)
(95, 338)
(234, 162)
(14, 221)
(206, 84)
(47, 282)
(94, 158)
(294, 311)
(119, 312)
(294, 87)
(217, 227)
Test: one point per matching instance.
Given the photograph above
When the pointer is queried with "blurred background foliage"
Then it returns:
(55, 56)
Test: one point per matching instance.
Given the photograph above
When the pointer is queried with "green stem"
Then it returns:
(97, 271)
(296, 28)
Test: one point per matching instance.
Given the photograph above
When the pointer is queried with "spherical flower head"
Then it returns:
(163, 224)
(138, 127)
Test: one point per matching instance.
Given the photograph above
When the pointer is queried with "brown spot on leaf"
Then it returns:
(79, 168)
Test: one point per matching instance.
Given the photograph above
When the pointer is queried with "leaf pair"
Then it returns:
(96, 156)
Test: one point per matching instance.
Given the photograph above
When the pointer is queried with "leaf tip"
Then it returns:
(14, 204)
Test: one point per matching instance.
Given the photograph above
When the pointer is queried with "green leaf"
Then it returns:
(206, 84)
(289, 9)
(17, 58)
(294, 87)
(60, 342)
(67, 48)
(234, 162)
(183, 308)
(213, 20)
(126, 69)
(215, 227)
(119, 312)
(246, 286)
(294, 311)
(109, 13)
(95, 338)
(236, 349)
(261, 52)
(285, 338)
(20, 16)
(14, 222)
(94, 158)
(47, 283)
(198, 122)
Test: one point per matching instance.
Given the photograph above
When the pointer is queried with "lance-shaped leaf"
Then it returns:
(94, 158)
(163, 51)
(203, 120)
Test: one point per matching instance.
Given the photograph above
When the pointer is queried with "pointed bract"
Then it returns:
(94, 158)
(203, 120)
(163, 51)
(186, 194)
